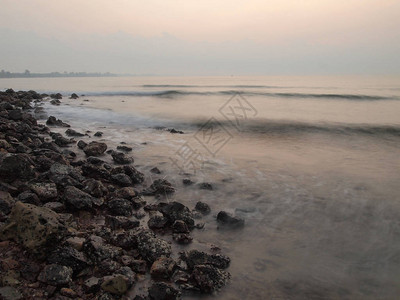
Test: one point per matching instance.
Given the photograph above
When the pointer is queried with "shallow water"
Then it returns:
(315, 177)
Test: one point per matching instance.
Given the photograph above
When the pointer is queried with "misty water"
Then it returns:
(311, 163)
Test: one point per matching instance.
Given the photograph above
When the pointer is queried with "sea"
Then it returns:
(312, 164)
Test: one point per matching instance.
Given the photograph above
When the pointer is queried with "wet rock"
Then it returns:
(63, 142)
(120, 207)
(77, 199)
(227, 220)
(163, 291)
(74, 96)
(155, 170)
(69, 257)
(159, 187)
(98, 134)
(208, 278)
(108, 266)
(55, 102)
(95, 160)
(116, 284)
(125, 192)
(96, 172)
(94, 187)
(180, 226)
(182, 238)
(97, 249)
(75, 242)
(95, 149)
(187, 181)
(117, 222)
(202, 207)
(124, 148)
(138, 203)
(15, 114)
(53, 121)
(173, 130)
(10, 293)
(121, 158)
(71, 132)
(45, 190)
(6, 202)
(56, 96)
(56, 275)
(81, 144)
(121, 179)
(205, 186)
(69, 293)
(157, 221)
(29, 197)
(92, 285)
(151, 247)
(138, 266)
(57, 207)
(34, 227)
(195, 257)
(177, 211)
(17, 166)
(163, 268)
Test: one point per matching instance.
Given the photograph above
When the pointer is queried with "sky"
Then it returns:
(192, 37)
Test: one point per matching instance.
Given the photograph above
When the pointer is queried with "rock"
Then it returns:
(98, 134)
(69, 257)
(34, 227)
(208, 278)
(74, 96)
(52, 121)
(125, 192)
(45, 190)
(56, 275)
(55, 102)
(92, 285)
(155, 170)
(120, 158)
(58, 207)
(124, 148)
(15, 114)
(77, 199)
(195, 257)
(173, 130)
(177, 211)
(94, 187)
(63, 142)
(120, 207)
(203, 208)
(182, 238)
(157, 221)
(96, 249)
(180, 226)
(151, 247)
(81, 144)
(6, 202)
(71, 132)
(76, 242)
(228, 220)
(56, 96)
(10, 293)
(116, 284)
(159, 187)
(69, 293)
(117, 222)
(205, 186)
(29, 197)
(121, 179)
(163, 291)
(139, 266)
(95, 160)
(187, 181)
(17, 166)
(96, 172)
(95, 149)
(163, 268)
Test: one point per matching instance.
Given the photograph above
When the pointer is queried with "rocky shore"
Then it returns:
(74, 223)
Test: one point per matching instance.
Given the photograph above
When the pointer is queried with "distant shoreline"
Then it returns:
(27, 74)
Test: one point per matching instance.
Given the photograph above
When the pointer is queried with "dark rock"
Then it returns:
(139, 266)
(56, 96)
(96, 172)
(117, 284)
(10, 293)
(71, 132)
(63, 142)
(108, 266)
(94, 187)
(208, 278)
(56, 275)
(121, 179)
(58, 207)
(151, 247)
(29, 197)
(117, 222)
(173, 130)
(180, 226)
(120, 207)
(182, 238)
(95, 160)
(34, 227)
(17, 166)
(74, 96)
(138, 202)
(77, 199)
(69, 257)
(155, 170)
(163, 291)
(95, 149)
(6, 202)
(177, 211)
(81, 144)
(52, 121)
(187, 181)
(195, 257)
(228, 220)
(45, 190)
(157, 221)
(124, 148)
(125, 192)
(15, 114)
(202, 207)
(205, 186)
(159, 187)
(97, 249)
(69, 154)
(98, 134)
(120, 158)
(55, 102)
(163, 268)
(92, 285)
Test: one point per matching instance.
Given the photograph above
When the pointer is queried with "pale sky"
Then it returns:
(201, 37)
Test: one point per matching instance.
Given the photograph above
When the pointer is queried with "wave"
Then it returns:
(177, 93)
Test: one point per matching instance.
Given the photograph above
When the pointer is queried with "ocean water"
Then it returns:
(311, 163)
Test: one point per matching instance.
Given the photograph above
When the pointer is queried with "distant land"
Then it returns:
(28, 74)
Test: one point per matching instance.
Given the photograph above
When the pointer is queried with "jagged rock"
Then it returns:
(69, 257)
(63, 142)
(77, 199)
(92, 285)
(125, 192)
(96, 172)
(177, 211)
(98, 134)
(76, 242)
(139, 266)
(182, 238)
(95, 149)
(117, 222)
(34, 227)
(10, 293)
(124, 148)
(95, 160)
(163, 268)
(120, 158)
(55, 102)
(159, 187)
(155, 170)
(45, 190)
(205, 186)
(151, 247)
(29, 197)
(17, 166)
(53, 121)
(180, 226)
(81, 144)
(56, 275)
(56, 96)
(163, 291)
(120, 207)
(195, 257)
(71, 132)
(208, 278)
(94, 187)
(97, 249)
(6, 202)
(121, 179)
(58, 207)
(228, 220)
(116, 284)
(74, 96)
(202, 207)
(157, 221)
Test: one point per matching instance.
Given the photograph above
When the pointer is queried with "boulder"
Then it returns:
(98, 134)
(56, 275)
(118, 222)
(120, 207)
(208, 278)
(53, 121)
(77, 199)
(124, 148)
(202, 207)
(121, 179)
(6, 202)
(69, 257)
(150, 246)
(74, 96)
(195, 257)
(227, 220)
(71, 132)
(95, 149)
(17, 166)
(159, 187)
(163, 268)
(157, 221)
(121, 158)
(117, 284)
(44, 190)
(163, 291)
(177, 211)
